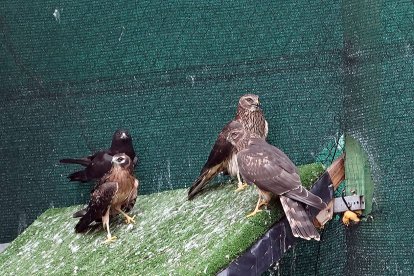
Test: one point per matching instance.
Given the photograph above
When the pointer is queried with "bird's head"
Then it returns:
(121, 134)
(250, 102)
(121, 160)
(236, 133)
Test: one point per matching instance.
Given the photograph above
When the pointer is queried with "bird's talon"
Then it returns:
(129, 220)
(253, 213)
(110, 239)
(241, 187)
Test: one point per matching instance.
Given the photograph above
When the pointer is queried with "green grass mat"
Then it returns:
(171, 236)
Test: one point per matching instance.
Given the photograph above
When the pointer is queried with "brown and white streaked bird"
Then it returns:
(222, 158)
(114, 192)
(273, 172)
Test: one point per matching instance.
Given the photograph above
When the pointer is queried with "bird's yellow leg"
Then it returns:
(128, 219)
(265, 198)
(240, 186)
(260, 203)
(256, 210)
(105, 222)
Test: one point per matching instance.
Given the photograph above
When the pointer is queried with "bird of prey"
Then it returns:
(222, 158)
(115, 191)
(100, 162)
(273, 172)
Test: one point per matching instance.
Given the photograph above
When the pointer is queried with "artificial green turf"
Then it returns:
(171, 236)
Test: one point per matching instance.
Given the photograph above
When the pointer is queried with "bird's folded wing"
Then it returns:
(217, 162)
(100, 200)
(260, 166)
(221, 150)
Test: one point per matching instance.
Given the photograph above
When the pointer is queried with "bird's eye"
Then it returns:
(120, 159)
(250, 100)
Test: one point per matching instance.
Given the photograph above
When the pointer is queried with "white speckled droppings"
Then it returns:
(168, 234)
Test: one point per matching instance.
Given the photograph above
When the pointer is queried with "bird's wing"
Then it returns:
(100, 165)
(98, 204)
(217, 162)
(96, 166)
(221, 150)
(298, 219)
(267, 167)
(84, 161)
(271, 170)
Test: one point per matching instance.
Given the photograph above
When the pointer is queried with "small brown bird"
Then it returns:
(116, 190)
(273, 172)
(222, 157)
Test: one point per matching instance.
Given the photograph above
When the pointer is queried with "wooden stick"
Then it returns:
(337, 171)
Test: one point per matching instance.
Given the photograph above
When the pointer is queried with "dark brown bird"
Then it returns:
(273, 172)
(117, 189)
(100, 162)
(222, 158)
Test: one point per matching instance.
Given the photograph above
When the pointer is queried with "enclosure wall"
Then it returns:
(379, 114)
(171, 72)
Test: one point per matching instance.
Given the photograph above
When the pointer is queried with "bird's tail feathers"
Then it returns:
(79, 213)
(81, 161)
(298, 219)
(304, 196)
(197, 186)
(84, 222)
(202, 181)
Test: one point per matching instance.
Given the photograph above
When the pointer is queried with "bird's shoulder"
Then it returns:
(100, 156)
(265, 154)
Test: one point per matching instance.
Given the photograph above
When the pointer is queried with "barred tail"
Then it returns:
(298, 219)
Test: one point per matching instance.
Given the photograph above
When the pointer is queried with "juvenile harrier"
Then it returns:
(274, 173)
(222, 157)
(116, 190)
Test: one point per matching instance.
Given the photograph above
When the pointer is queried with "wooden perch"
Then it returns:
(337, 171)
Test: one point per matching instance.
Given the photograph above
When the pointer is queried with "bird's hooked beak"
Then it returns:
(124, 135)
(258, 104)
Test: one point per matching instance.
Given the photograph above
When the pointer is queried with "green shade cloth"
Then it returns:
(378, 113)
(172, 72)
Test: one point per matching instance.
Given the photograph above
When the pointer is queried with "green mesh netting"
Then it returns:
(378, 113)
(171, 72)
